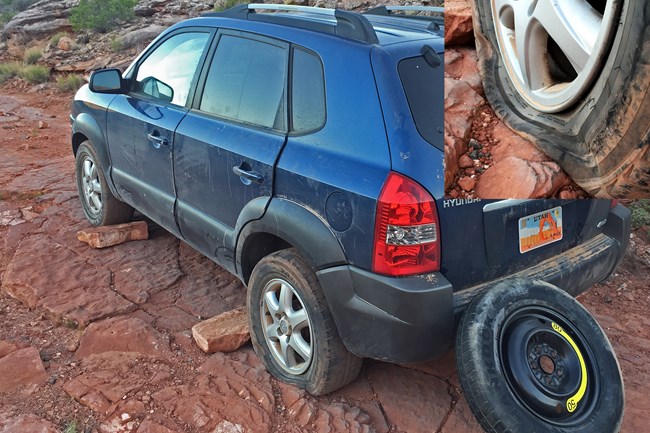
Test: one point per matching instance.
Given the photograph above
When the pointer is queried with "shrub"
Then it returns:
(69, 83)
(117, 45)
(33, 55)
(56, 38)
(35, 73)
(101, 15)
(640, 213)
(222, 5)
(8, 70)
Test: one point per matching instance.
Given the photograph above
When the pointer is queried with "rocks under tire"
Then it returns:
(603, 140)
(512, 361)
(287, 283)
(104, 209)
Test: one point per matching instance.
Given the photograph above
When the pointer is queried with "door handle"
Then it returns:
(157, 139)
(248, 176)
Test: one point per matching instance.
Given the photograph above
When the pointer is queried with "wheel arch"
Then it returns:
(86, 128)
(287, 224)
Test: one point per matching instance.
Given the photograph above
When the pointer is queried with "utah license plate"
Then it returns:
(540, 229)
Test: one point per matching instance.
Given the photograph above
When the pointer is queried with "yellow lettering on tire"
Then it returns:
(572, 402)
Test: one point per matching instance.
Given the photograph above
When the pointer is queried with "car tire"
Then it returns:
(598, 131)
(287, 308)
(531, 358)
(99, 205)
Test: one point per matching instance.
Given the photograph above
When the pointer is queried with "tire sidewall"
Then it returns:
(582, 139)
(264, 272)
(480, 339)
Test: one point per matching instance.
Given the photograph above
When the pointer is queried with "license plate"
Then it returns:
(540, 229)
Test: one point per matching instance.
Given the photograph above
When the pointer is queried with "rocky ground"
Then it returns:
(483, 157)
(100, 338)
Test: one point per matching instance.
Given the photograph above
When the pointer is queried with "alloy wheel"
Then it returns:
(92, 188)
(554, 50)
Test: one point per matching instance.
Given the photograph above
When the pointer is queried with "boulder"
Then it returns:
(108, 236)
(65, 43)
(141, 37)
(26, 423)
(226, 332)
(458, 22)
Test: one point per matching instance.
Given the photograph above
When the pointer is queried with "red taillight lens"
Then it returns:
(406, 229)
(614, 203)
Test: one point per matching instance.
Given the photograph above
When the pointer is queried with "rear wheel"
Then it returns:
(100, 206)
(531, 358)
(573, 77)
(292, 329)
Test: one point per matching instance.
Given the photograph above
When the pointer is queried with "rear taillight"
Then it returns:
(406, 229)
(614, 203)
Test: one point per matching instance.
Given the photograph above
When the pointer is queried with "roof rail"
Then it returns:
(348, 25)
(436, 21)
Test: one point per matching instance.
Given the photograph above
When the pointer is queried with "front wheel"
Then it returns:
(99, 205)
(531, 358)
(292, 329)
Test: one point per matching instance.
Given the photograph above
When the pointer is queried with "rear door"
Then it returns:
(484, 240)
(227, 146)
(141, 124)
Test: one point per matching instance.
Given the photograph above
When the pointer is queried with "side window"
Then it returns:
(168, 71)
(307, 92)
(246, 82)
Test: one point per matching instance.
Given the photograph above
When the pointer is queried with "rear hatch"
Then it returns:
(485, 240)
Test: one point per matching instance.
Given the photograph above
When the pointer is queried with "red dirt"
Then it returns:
(165, 287)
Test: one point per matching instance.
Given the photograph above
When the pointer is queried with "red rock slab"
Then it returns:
(458, 22)
(46, 274)
(21, 368)
(514, 177)
(226, 332)
(122, 334)
(26, 423)
(109, 236)
(6, 347)
(395, 385)
(461, 420)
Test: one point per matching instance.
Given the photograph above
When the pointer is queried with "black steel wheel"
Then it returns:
(531, 358)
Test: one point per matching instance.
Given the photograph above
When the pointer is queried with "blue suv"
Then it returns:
(302, 150)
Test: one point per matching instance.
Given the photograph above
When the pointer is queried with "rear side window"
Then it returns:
(423, 85)
(307, 92)
(247, 82)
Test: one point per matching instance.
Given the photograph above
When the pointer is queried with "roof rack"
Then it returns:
(436, 21)
(348, 25)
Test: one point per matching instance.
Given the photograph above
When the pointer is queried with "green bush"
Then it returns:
(117, 45)
(640, 213)
(35, 74)
(101, 15)
(56, 38)
(69, 83)
(9, 70)
(33, 55)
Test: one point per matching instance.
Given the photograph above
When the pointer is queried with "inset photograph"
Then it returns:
(547, 99)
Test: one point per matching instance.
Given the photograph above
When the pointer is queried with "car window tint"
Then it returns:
(307, 92)
(246, 82)
(172, 64)
(421, 82)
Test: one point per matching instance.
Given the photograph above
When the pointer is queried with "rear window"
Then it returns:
(424, 86)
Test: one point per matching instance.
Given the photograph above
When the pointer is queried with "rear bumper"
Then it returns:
(412, 319)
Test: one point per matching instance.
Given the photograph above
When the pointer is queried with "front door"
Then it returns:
(228, 144)
(141, 124)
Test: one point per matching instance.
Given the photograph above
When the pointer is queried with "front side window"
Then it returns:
(247, 82)
(167, 73)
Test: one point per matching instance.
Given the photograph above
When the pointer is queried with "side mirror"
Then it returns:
(158, 89)
(107, 81)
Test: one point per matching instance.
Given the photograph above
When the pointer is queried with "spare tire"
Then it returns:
(532, 359)
(574, 78)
